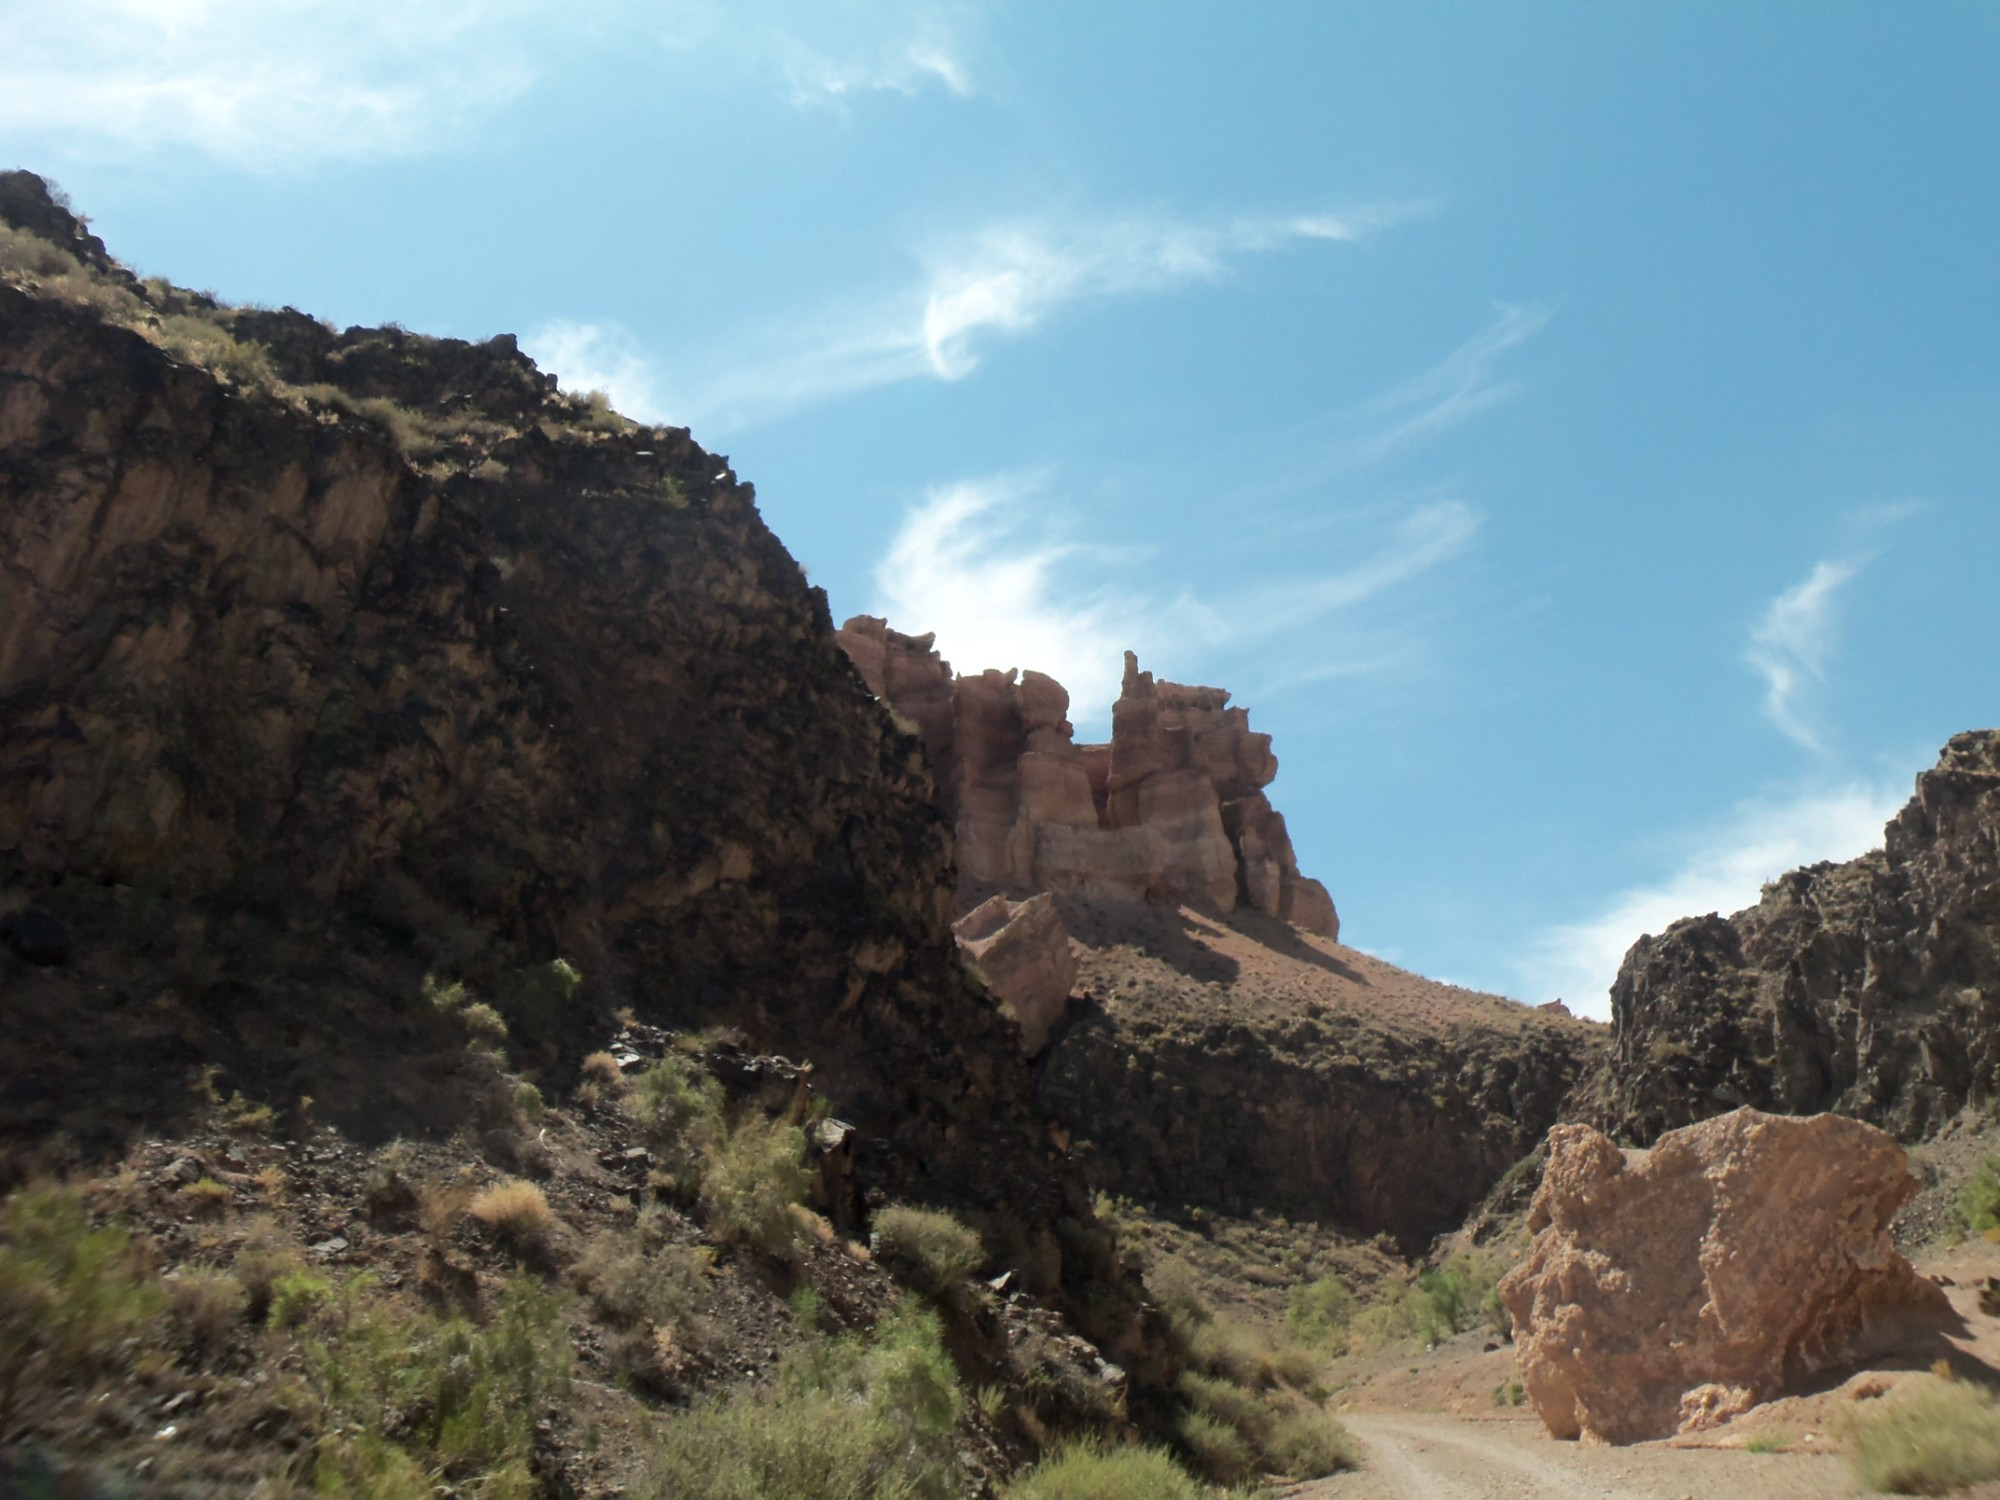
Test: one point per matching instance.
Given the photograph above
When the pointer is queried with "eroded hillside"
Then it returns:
(1225, 1052)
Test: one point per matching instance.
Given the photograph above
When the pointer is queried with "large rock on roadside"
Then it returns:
(1671, 1289)
(1022, 947)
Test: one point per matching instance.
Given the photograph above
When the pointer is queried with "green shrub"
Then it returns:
(1218, 1451)
(1509, 1393)
(1979, 1204)
(849, 1419)
(931, 1250)
(1307, 1444)
(630, 1285)
(74, 1301)
(1318, 1312)
(458, 1400)
(1939, 1436)
(678, 1109)
(1091, 1472)
(296, 1296)
(751, 1182)
(1243, 1409)
(1459, 1295)
(536, 1000)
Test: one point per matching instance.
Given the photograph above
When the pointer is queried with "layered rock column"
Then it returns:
(1172, 809)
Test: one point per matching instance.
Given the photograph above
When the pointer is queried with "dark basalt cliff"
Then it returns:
(1870, 988)
(330, 660)
(1237, 1065)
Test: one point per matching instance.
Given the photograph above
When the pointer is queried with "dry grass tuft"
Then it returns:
(1936, 1436)
(515, 1210)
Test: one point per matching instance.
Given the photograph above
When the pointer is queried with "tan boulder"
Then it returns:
(1670, 1289)
(1022, 947)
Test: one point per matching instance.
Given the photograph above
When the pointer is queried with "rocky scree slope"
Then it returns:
(1228, 1053)
(330, 660)
(1870, 988)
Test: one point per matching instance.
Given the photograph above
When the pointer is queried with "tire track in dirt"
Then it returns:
(1444, 1458)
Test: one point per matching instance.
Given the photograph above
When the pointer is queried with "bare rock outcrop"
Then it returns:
(1672, 1289)
(1172, 808)
(1870, 988)
(333, 660)
(1023, 949)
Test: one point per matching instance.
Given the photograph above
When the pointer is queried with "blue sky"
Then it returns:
(1572, 430)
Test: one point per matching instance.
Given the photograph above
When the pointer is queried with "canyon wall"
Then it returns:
(331, 660)
(1172, 809)
(1870, 988)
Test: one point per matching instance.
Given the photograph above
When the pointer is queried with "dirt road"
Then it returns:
(1453, 1458)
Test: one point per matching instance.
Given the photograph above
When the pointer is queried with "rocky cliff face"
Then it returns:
(1870, 988)
(1227, 1052)
(1172, 809)
(329, 660)
(1239, 1065)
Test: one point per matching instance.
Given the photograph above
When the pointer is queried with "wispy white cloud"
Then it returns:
(1461, 385)
(279, 84)
(597, 357)
(830, 52)
(987, 570)
(997, 570)
(257, 83)
(1432, 533)
(1721, 869)
(1790, 645)
(998, 282)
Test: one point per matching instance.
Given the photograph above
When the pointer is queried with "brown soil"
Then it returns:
(1175, 966)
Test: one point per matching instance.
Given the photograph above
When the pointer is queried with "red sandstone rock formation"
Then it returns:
(1023, 949)
(1172, 808)
(1669, 1290)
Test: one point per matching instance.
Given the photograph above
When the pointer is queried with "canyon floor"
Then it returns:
(1430, 1425)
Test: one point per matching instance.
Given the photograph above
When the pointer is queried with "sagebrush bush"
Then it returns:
(628, 1284)
(1308, 1444)
(266, 1255)
(1936, 1436)
(1243, 1409)
(1979, 1204)
(752, 1181)
(1091, 1472)
(850, 1419)
(536, 1000)
(1461, 1294)
(405, 1392)
(930, 1249)
(296, 1296)
(206, 1306)
(74, 1300)
(1318, 1313)
(1216, 1450)
(678, 1109)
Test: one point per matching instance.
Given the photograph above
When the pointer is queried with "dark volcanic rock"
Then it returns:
(1870, 988)
(381, 658)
